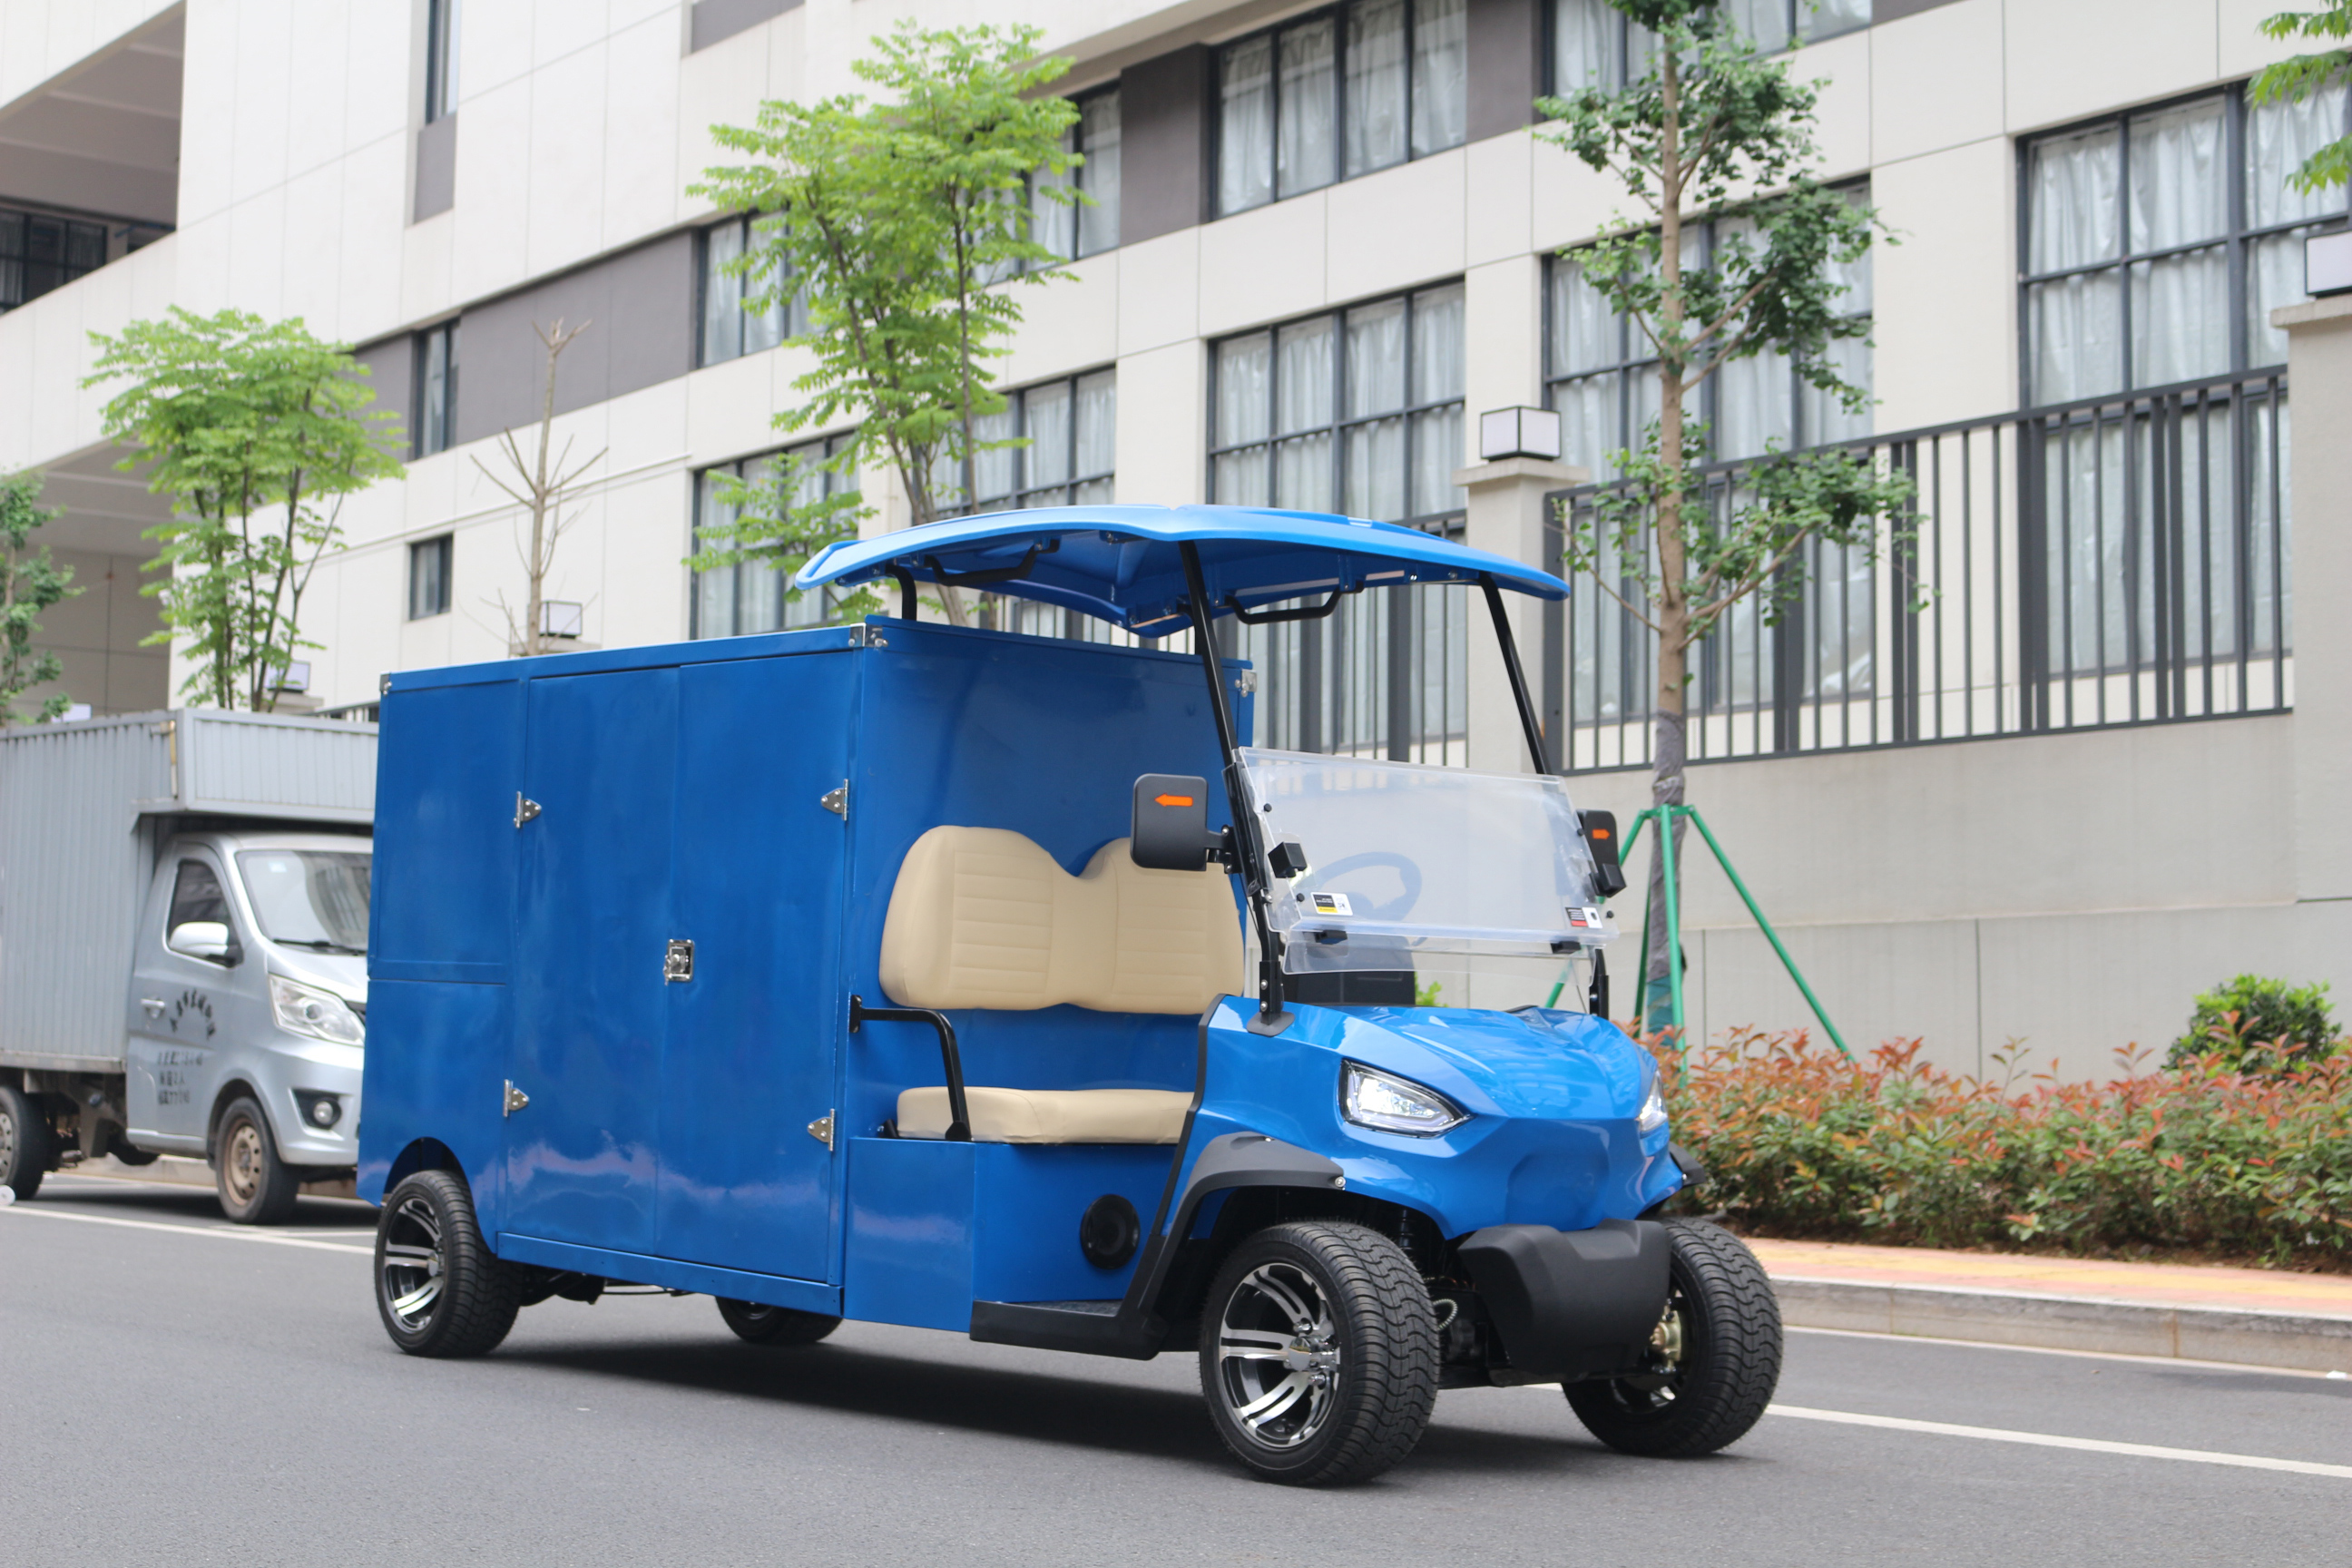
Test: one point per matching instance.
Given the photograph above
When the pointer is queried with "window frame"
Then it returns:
(819, 447)
(1079, 182)
(64, 269)
(1337, 14)
(2237, 239)
(429, 439)
(1022, 492)
(1340, 423)
(443, 545)
(796, 312)
(1794, 11)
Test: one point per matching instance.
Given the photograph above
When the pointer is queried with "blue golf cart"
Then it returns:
(931, 976)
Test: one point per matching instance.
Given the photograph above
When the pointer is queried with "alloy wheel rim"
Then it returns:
(410, 1270)
(1278, 1361)
(241, 1164)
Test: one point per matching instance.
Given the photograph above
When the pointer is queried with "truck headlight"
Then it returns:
(318, 1015)
(1653, 1115)
(1369, 1097)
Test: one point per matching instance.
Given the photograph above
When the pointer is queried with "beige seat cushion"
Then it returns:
(1050, 1115)
(983, 917)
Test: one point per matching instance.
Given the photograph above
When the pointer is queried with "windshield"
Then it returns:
(309, 897)
(1404, 858)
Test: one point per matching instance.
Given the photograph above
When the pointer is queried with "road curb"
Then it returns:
(2249, 1336)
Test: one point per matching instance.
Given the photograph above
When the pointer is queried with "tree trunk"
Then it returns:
(1673, 600)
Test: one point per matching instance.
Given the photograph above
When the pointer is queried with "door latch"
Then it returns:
(516, 1098)
(678, 963)
(525, 808)
(837, 800)
(154, 1005)
(822, 1129)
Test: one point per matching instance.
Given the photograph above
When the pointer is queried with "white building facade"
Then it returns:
(2067, 765)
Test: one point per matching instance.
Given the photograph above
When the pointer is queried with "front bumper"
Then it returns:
(1570, 1304)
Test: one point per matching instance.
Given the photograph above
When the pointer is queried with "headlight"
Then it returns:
(1653, 1115)
(1369, 1097)
(320, 1109)
(319, 1014)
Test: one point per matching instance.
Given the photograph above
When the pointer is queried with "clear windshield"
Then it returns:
(316, 899)
(1404, 859)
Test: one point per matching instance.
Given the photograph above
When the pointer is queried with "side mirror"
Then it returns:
(202, 938)
(1601, 837)
(1171, 829)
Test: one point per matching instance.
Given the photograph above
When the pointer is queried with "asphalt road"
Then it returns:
(211, 1398)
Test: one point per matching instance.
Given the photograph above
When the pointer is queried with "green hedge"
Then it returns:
(1800, 1143)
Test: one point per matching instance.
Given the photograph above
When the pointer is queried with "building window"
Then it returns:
(436, 388)
(751, 597)
(440, 59)
(2157, 243)
(1602, 376)
(1595, 45)
(428, 577)
(39, 252)
(729, 329)
(1339, 93)
(1072, 429)
(1071, 229)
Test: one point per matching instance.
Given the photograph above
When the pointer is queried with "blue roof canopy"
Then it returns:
(1121, 563)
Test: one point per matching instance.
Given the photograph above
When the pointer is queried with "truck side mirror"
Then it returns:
(1170, 830)
(202, 938)
(1601, 836)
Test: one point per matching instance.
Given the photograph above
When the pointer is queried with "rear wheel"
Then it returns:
(1318, 1353)
(24, 1143)
(757, 1323)
(440, 1289)
(256, 1186)
(1716, 1354)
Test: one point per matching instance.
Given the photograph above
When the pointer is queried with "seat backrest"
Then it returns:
(983, 917)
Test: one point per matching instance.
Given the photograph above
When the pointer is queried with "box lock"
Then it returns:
(678, 963)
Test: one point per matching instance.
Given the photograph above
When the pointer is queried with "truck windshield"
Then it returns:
(1404, 859)
(309, 897)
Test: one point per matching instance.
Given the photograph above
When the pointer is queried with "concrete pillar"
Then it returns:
(1506, 516)
(2319, 388)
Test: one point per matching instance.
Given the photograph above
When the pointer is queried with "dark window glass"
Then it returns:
(39, 251)
(428, 577)
(436, 388)
(196, 896)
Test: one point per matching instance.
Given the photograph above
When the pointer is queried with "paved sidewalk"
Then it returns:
(2255, 1316)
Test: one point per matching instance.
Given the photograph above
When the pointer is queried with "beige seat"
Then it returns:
(981, 917)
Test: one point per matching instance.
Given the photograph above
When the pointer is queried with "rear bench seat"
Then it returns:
(983, 917)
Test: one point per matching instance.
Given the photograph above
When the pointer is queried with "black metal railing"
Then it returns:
(2113, 560)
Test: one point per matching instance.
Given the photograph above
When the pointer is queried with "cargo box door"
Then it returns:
(749, 1167)
(593, 923)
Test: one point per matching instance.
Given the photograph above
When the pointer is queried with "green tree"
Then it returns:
(256, 431)
(29, 583)
(1711, 132)
(2299, 76)
(900, 227)
(2251, 1023)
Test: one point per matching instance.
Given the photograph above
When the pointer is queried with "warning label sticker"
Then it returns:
(1328, 903)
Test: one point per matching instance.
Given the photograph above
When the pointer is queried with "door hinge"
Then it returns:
(525, 808)
(837, 800)
(822, 1129)
(516, 1099)
(678, 963)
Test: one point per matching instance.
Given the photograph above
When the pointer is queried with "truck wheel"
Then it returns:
(440, 1289)
(256, 1186)
(1318, 1353)
(1717, 1354)
(24, 1143)
(762, 1325)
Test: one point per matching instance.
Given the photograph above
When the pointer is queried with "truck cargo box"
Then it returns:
(83, 808)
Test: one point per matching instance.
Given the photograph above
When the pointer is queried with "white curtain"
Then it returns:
(1763, 22)
(722, 294)
(2180, 304)
(1245, 126)
(1585, 332)
(992, 472)
(1045, 413)
(1098, 436)
(1584, 46)
(1589, 435)
(1375, 358)
(1753, 401)
(1441, 74)
(2279, 137)
(1099, 139)
(1376, 78)
(1053, 219)
(1827, 18)
(1302, 465)
(714, 590)
(1439, 354)
(1244, 368)
(1307, 109)
(2073, 218)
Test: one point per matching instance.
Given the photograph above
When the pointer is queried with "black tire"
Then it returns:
(24, 1141)
(1715, 1376)
(256, 1186)
(759, 1324)
(440, 1289)
(1360, 1360)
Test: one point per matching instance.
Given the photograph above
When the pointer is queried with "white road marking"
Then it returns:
(236, 1235)
(2174, 1360)
(2045, 1440)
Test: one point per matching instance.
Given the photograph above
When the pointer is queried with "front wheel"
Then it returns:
(440, 1289)
(759, 1324)
(1715, 1355)
(24, 1143)
(1318, 1353)
(256, 1186)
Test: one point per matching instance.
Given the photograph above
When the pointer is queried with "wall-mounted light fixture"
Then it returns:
(2327, 263)
(1520, 432)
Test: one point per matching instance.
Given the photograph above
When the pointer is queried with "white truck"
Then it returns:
(184, 918)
